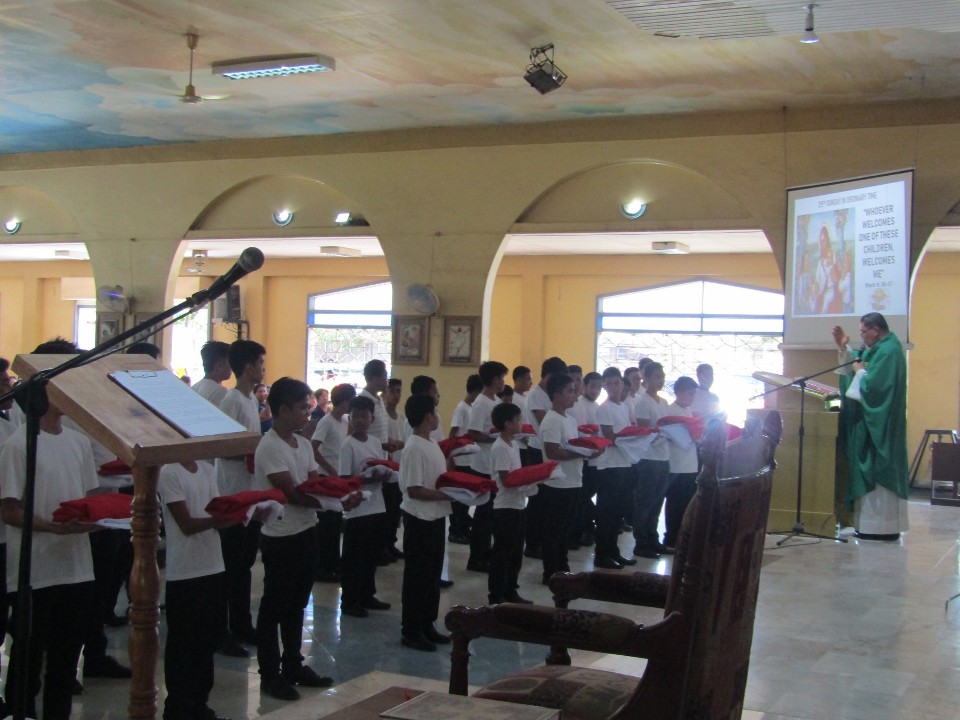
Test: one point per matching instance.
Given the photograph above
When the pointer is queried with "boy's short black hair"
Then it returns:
(590, 377)
(421, 384)
(684, 383)
(502, 414)
(474, 384)
(490, 371)
(57, 346)
(212, 353)
(243, 353)
(650, 368)
(557, 382)
(373, 369)
(519, 371)
(394, 382)
(552, 365)
(507, 390)
(362, 402)
(417, 408)
(574, 370)
(144, 348)
(286, 392)
(4, 365)
(611, 372)
(342, 393)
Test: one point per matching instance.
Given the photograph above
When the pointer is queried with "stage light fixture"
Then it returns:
(809, 36)
(542, 74)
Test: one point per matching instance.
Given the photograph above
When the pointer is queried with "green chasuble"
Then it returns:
(874, 430)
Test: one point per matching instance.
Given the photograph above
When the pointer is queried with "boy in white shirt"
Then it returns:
(683, 464)
(424, 519)
(215, 356)
(363, 526)
(327, 439)
(459, 425)
(240, 543)
(288, 544)
(584, 411)
(654, 469)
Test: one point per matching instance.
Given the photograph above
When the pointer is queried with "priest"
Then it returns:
(874, 429)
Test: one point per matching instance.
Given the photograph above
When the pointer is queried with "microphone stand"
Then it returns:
(31, 395)
(799, 530)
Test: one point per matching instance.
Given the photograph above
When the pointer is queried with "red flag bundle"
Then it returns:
(331, 486)
(450, 446)
(466, 481)
(530, 474)
(592, 443)
(589, 429)
(733, 432)
(234, 507)
(694, 424)
(635, 431)
(374, 462)
(114, 467)
(104, 506)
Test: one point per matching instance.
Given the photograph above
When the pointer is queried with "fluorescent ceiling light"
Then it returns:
(272, 66)
(70, 255)
(342, 218)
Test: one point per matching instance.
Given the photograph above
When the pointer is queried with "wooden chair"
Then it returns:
(698, 654)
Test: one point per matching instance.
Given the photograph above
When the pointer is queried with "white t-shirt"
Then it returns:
(273, 456)
(65, 471)
(378, 428)
(682, 460)
(396, 430)
(461, 421)
(537, 400)
(232, 474)
(481, 420)
(506, 458)
(197, 555)
(331, 433)
(652, 410)
(617, 416)
(210, 390)
(353, 454)
(101, 454)
(423, 463)
(584, 411)
(560, 429)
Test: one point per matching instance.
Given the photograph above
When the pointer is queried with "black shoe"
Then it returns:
(629, 562)
(545, 580)
(587, 539)
(106, 667)
(435, 636)
(495, 599)
(418, 642)
(625, 526)
(458, 539)
(307, 677)
(278, 688)
(231, 648)
(535, 553)
(77, 689)
(665, 549)
(396, 552)
(481, 567)
(356, 611)
(607, 564)
(514, 597)
(247, 637)
(373, 603)
(328, 576)
(113, 620)
(444, 584)
(646, 553)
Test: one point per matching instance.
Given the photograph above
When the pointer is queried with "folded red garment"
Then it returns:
(635, 431)
(114, 467)
(733, 432)
(594, 443)
(234, 507)
(448, 445)
(530, 474)
(249, 460)
(371, 462)
(112, 506)
(466, 481)
(331, 486)
(694, 424)
(589, 429)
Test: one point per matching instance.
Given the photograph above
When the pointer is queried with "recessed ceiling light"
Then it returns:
(283, 217)
(633, 209)
(11, 226)
(272, 66)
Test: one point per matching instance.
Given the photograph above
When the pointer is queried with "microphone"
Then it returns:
(860, 351)
(250, 260)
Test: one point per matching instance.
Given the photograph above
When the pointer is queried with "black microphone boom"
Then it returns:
(250, 260)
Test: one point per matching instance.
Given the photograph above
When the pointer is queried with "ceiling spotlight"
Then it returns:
(11, 226)
(342, 218)
(633, 209)
(199, 260)
(809, 36)
(272, 66)
(345, 219)
(542, 74)
(283, 217)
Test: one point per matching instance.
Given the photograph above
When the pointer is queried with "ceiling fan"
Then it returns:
(190, 96)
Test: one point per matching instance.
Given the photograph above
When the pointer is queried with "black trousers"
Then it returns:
(239, 544)
(112, 561)
(506, 558)
(585, 512)
(460, 518)
(57, 628)
(328, 541)
(654, 477)
(392, 497)
(423, 545)
(362, 543)
(614, 488)
(481, 535)
(288, 564)
(558, 505)
(195, 610)
(534, 533)
(682, 488)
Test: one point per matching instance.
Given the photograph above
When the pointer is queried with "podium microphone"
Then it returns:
(250, 260)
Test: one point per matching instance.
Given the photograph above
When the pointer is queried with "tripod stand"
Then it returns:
(799, 530)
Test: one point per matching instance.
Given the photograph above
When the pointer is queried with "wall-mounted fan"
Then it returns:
(112, 299)
(423, 299)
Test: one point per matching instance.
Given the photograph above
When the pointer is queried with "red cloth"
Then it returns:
(593, 443)
(371, 462)
(635, 431)
(589, 429)
(525, 429)
(234, 507)
(733, 432)
(473, 483)
(249, 459)
(530, 474)
(694, 424)
(331, 486)
(448, 445)
(113, 506)
(115, 467)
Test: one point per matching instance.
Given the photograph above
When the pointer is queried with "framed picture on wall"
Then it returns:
(461, 340)
(109, 325)
(156, 337)
(411, 339)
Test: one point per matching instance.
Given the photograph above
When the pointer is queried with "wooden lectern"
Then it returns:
(144, 441)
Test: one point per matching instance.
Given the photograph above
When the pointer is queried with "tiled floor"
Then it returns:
(855, 631)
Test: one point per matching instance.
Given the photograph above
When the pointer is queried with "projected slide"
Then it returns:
(847, 254)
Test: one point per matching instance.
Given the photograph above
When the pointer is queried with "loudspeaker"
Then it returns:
(226, 308)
